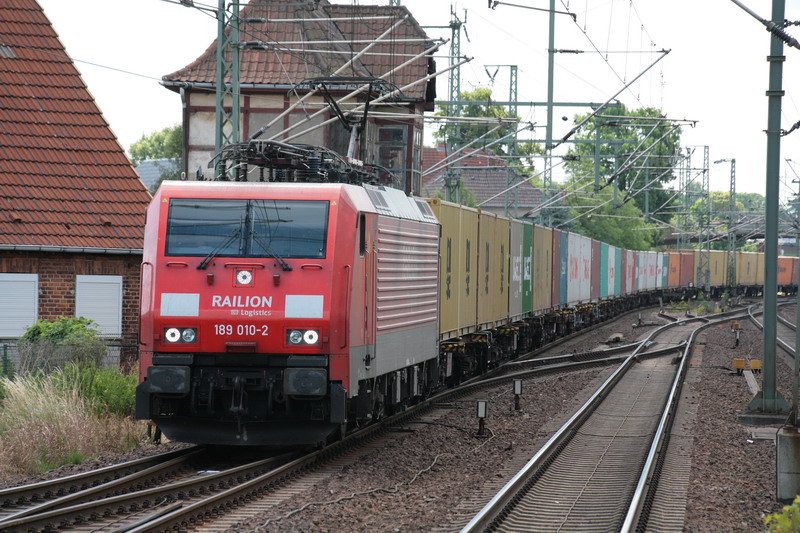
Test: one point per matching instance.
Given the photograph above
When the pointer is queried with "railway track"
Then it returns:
(172, 491)
(597, 471)
(786, 330)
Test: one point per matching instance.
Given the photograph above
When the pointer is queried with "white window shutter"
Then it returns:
(99, 298)
(19, 303)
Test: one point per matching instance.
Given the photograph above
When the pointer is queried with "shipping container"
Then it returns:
(630, 272)
(717, 269)
(646, 271)
(579, 257)
(618, 270)
(515, 270)
(527, 267)
(664, 270)
(488, 277)
(560, 265)
(542, 268)
(594, 292)
(795, 270)
(785, 271)
(606, 279)
(687, 273)
(760, 269)
(674, 274)
(459, 260)
(746, 268)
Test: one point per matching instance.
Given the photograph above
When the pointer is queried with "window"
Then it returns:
(99, 298)
(392, 145)
(247, 228)
(19, 303)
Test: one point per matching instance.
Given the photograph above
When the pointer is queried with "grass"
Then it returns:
(65, 417)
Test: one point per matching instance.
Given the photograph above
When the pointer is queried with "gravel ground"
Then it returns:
(427, 479)
(732, 483)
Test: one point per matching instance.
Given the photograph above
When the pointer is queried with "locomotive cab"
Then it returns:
(243, 322)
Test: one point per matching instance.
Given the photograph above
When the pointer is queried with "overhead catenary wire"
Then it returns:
(356, 92)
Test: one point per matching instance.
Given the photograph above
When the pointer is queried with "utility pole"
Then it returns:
(768, 400)
(547, 178)
(227, 130)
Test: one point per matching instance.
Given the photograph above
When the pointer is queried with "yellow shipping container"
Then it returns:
(760, 269)
(542, 268)
(747, 268)
(459, 265)
(717, 268)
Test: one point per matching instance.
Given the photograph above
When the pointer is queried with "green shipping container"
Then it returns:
(664, 270)
(604, 270)
(527, 258)
(618, 270)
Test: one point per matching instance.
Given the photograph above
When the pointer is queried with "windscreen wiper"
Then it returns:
(284, 265)
(213, 253)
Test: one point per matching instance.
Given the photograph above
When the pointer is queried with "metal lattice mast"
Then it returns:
(511, 193)
(453, 174)
(227, 121)
(732, 232)
(704, 266)
(683, 185)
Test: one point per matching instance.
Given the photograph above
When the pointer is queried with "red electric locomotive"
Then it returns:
(277, 313)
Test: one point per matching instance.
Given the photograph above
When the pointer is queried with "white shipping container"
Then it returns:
(659, 270)
(579, 269)
(630, 272)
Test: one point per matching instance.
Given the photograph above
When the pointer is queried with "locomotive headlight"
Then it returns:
(180, 334)
(172, 335)
(295, 336)
(311, 336)
(188, 335)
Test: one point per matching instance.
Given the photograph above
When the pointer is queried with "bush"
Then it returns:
(45, 422)
(114, 393)
(52, 344)
(786, 521)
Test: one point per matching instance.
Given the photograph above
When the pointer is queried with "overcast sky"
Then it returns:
(716, 72)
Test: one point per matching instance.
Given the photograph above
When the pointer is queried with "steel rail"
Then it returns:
(511, 489)
(63, 514)
(642, 491)
(40, 490)
(784, 346)
(508, 493)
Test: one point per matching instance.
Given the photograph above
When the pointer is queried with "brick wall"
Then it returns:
(57, 273)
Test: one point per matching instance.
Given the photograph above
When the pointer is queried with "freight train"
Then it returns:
(283, 313)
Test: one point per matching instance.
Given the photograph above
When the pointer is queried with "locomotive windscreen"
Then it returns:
(247, 228)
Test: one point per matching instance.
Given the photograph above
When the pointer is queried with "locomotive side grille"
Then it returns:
(407, 274)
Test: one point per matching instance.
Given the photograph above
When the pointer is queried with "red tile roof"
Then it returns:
(283, 68)
(65, 181)
(484, 174)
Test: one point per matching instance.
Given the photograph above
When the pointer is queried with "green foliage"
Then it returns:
(106, 390)
(166, 143)
(162, 144)
(51, 344)
(619, 139)
(622, 225)
(479, 105)
(787, 521)
(113, 392)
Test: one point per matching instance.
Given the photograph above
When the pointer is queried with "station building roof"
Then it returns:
(65, 181)
(312, 39)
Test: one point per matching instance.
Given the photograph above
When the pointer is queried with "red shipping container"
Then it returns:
(556, 296)
(785, 271)
(595, 287)
(624, 285)
(687, 269)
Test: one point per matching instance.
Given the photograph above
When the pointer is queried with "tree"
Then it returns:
(638, 154)
(166, 143)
